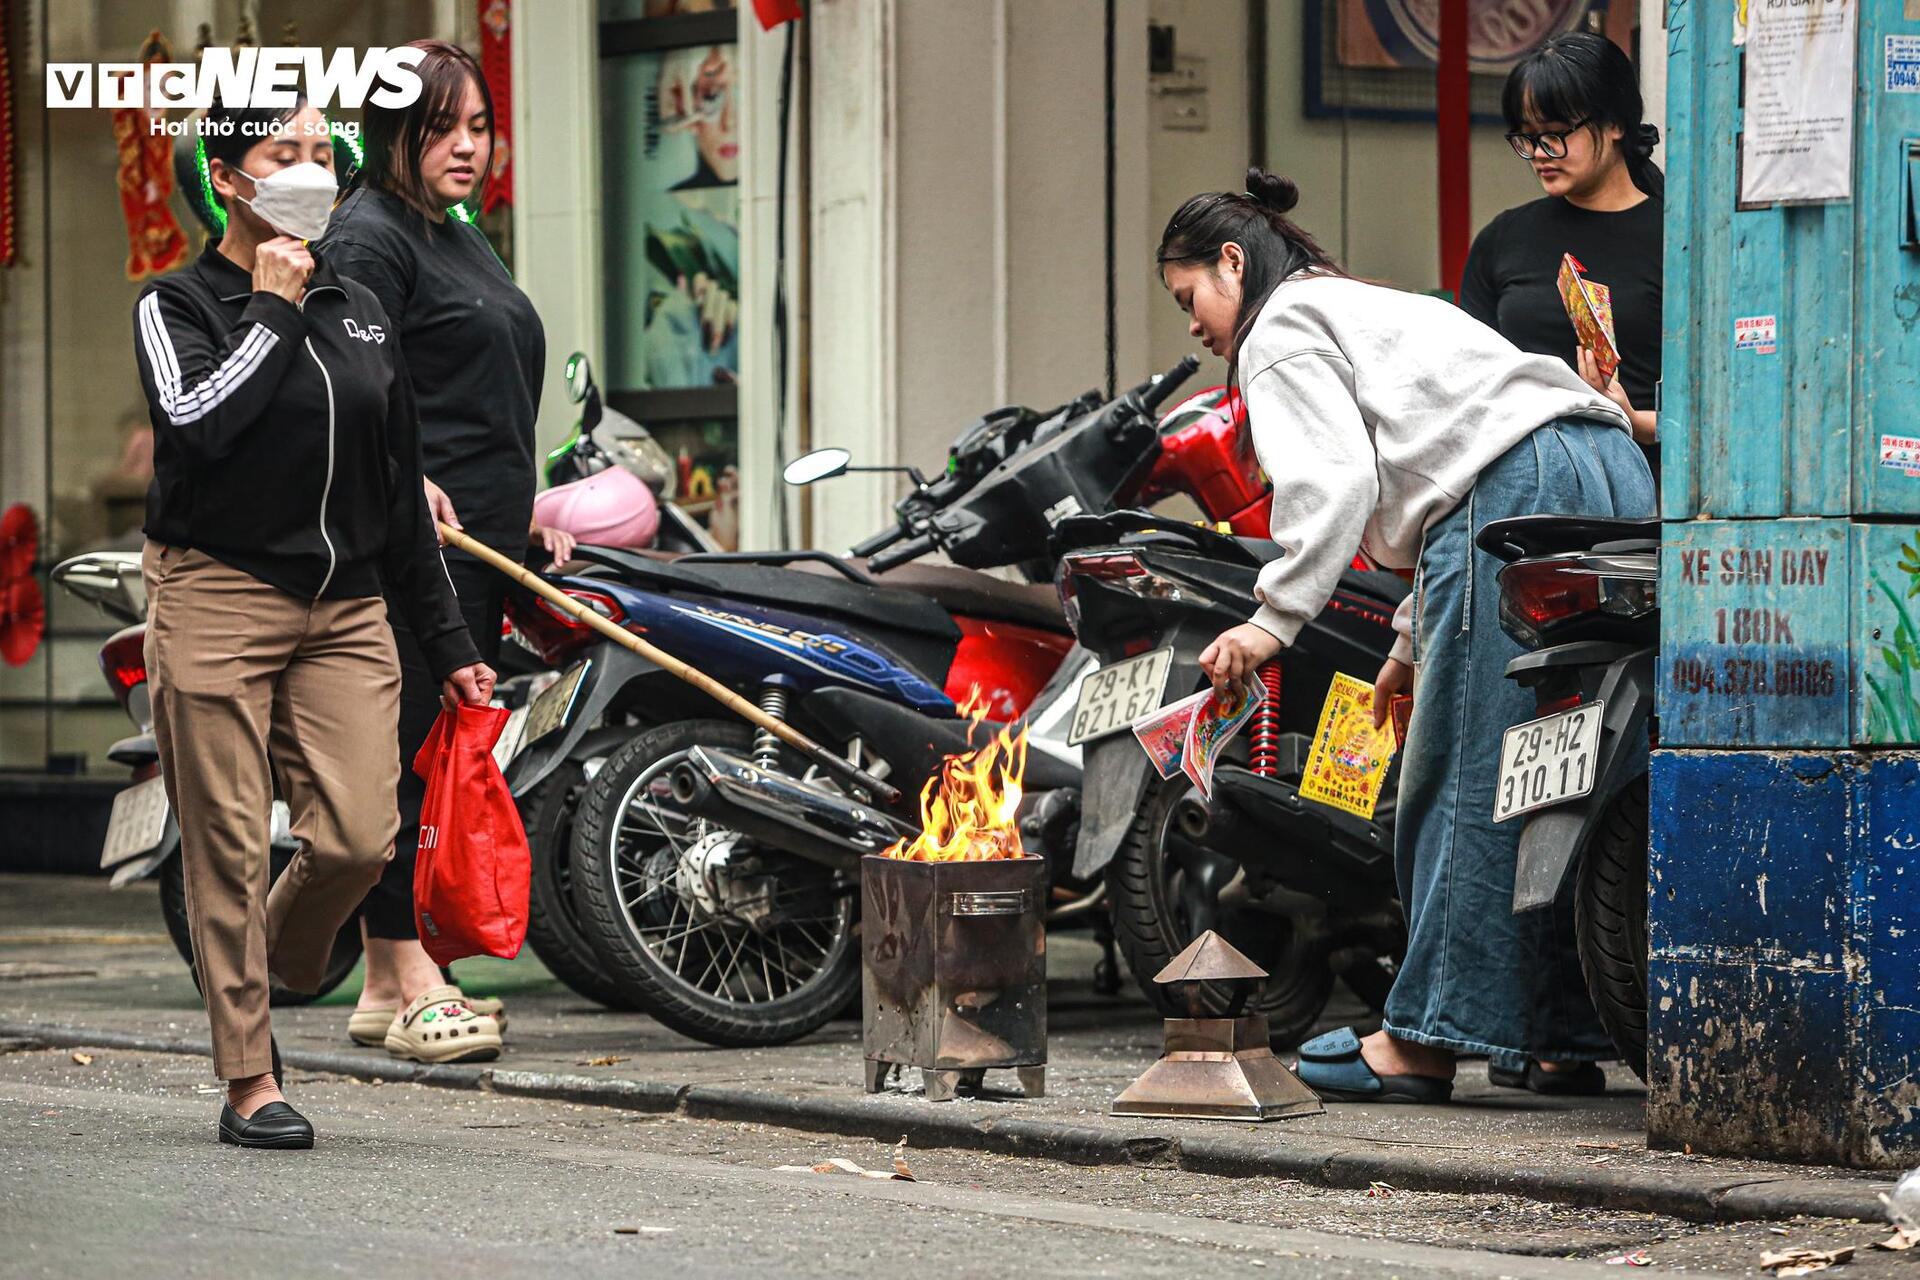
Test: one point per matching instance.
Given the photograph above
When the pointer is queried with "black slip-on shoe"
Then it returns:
(276, 1126)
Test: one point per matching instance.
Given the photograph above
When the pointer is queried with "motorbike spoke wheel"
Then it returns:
(1167, 891)
(553, 925)
(719, 938)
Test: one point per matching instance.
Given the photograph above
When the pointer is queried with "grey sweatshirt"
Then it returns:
(1373, 411)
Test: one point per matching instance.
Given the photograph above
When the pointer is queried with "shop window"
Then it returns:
(670, 149)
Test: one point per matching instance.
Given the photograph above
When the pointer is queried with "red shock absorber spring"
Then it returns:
(1263, 734)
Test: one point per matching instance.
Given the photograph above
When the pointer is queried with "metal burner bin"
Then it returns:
(954, 971)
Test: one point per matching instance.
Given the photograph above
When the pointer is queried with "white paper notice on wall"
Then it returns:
(1903, 64)
(1758, 334)
(1798, 141)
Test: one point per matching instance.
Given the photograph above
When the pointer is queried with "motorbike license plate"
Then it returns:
(512, 737)
(139, 820)
(550, 710)
(1115, 696)
(1548, 761)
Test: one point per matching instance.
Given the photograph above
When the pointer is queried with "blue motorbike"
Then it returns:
(714, 871)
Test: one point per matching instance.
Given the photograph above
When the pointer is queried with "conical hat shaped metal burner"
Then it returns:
(1217, 1068)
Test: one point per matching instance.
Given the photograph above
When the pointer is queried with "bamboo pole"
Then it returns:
(882, 793)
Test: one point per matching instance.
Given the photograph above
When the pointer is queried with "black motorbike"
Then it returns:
(1304, 889)
(1579, 593)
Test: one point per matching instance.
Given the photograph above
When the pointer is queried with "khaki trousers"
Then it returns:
(242, 672)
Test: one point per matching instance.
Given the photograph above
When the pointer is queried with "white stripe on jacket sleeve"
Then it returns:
(183, 406)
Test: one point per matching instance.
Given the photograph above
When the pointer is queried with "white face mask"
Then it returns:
(296, 201)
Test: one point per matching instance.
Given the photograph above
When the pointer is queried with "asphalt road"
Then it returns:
(109, 1167)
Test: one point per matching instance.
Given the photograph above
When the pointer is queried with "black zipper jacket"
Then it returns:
(286, 443)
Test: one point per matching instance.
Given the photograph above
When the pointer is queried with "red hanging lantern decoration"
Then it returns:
(774, 12)
(496, 62)
(156, 244)
(9, 245)
(23, 610)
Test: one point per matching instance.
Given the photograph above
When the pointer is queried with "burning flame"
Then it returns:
(967, 809)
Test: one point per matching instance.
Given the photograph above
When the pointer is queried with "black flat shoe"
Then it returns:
(1586, 1080)
(275, 1125)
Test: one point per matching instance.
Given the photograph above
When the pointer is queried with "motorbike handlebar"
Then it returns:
(1163, 386)
(884, 538)
(911, 549)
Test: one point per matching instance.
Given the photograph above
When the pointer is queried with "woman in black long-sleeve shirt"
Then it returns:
(286, 495)
(1574, 109)
(475, 348)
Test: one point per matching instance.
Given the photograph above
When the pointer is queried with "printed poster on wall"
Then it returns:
(1798, 140)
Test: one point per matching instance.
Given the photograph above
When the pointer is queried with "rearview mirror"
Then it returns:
(579, 377)
(821, 464)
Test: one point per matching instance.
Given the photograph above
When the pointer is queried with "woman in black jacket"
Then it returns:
(1574, 109)
(286, 496)
(475, 347)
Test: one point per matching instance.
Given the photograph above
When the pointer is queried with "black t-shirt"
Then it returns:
(1512, 281)
(473, 344)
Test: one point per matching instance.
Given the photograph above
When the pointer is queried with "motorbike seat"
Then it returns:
(885, 607)
(980, 595)
(1521, 537)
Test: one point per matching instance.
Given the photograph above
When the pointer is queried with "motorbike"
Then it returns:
(1580, 594)
(143, 838)
(1306, 890)
(693, 833)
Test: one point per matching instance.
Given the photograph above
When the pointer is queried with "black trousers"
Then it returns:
(388, 910)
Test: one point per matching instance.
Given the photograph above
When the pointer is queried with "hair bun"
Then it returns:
(1272, 191)
(1645, 139)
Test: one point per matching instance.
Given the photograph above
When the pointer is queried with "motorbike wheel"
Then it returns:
(1610, 923)
(173, 910)
(553, 928)
(648, 884)
(1161, 903)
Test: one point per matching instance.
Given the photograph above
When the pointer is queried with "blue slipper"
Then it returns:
(1332, 1067)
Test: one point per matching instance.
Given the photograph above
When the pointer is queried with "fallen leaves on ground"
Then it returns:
(839, 1164)
(1804, 1262)
(84, 1059)
(1902, 1239)
(604, 1060)
(1638, 1258)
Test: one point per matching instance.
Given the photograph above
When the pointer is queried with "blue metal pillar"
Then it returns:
(1784, 918)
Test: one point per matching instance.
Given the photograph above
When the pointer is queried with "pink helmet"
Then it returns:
(611, 508)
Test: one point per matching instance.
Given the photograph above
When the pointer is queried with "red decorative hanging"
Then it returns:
(23, 612)
(19, 541)
(156, 244)
(774, 12)
(496, 60)
(9, 246)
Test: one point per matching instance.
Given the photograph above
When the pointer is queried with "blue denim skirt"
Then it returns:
(1479, 979)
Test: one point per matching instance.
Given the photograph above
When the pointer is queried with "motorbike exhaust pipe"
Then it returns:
(822, 826)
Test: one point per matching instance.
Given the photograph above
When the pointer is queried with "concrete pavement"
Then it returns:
(93, 968)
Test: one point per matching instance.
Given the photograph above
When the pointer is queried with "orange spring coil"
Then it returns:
(1263, 736)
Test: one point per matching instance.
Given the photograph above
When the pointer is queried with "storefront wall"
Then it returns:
(73, 422)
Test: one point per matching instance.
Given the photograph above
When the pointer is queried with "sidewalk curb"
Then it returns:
(1316, 1161)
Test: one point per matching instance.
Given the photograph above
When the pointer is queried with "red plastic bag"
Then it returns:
(470, 878)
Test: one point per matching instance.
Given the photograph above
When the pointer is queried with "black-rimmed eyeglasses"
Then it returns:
(1551, 145)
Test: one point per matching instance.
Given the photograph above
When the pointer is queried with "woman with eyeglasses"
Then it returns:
(1573, 106)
